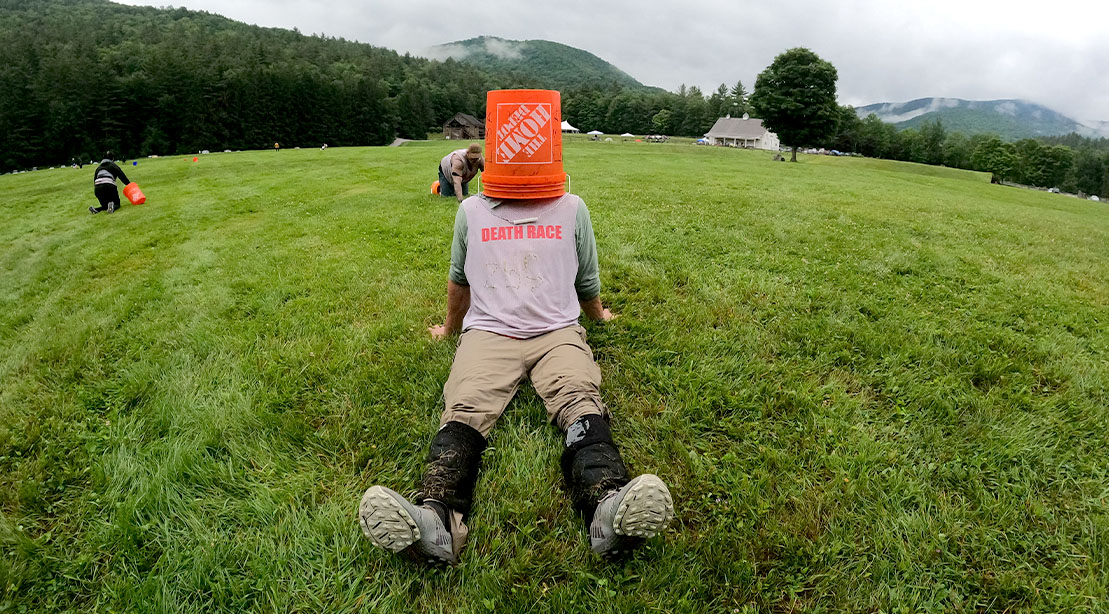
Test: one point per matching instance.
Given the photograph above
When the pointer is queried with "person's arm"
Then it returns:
(458, 287)
(595, 311)
(587, 283)
(118, 172)
(458, 303)
(456, 177)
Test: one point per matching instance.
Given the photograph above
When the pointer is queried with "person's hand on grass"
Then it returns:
(439, 331)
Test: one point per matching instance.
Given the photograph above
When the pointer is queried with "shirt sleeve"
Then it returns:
(457, 167)
(458, 171)
(588, 281)
(118, 172)
(457, 272)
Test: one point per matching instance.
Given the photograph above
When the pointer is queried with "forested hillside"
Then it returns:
(82, 77)
(558, 66)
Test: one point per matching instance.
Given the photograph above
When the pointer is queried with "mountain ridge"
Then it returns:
(551, 64)
(1010, 118)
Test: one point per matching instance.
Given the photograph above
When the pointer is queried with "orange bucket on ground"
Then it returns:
(523, 144)
(435, 187)
(134, 194)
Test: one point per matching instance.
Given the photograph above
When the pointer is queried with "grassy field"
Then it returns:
(872, 387)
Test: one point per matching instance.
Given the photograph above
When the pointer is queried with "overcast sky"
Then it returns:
(1053, 53)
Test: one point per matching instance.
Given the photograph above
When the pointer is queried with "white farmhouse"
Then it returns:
(742, 132)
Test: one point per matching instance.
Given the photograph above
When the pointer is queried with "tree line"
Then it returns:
(687, 112)
(1071, 163)
(84, 77)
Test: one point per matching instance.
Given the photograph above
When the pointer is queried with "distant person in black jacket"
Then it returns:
(104, 186)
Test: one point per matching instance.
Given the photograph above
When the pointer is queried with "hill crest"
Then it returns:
(549, 63)
(1010, 118)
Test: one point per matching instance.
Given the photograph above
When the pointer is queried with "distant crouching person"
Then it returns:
(457, 169)
(104, 186)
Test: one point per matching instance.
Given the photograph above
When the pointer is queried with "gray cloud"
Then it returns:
(500, 48)
(506, 50)
(885, 52)
(457, 52)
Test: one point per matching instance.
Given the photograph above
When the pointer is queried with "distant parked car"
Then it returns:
(1053, 190)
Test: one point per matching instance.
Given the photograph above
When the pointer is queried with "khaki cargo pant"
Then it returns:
(488, 369)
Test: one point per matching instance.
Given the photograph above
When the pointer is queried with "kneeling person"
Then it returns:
(457, 169)
(104, 186)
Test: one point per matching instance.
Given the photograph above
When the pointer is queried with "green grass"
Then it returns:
(872, 387)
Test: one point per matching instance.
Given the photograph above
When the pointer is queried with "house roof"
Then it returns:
(466, 120)
(737, 128)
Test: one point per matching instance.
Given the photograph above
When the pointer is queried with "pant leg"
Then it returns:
(446, 188)
(485, 375)
(565, 375)
(106, 193)
(569, 380)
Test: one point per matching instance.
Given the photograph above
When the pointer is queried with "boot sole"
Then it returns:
(385, 521)
(646, 509)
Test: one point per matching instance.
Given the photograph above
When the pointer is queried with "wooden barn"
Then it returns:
(463, 127)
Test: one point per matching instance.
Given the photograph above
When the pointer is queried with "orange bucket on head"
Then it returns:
(134, 194)
(523, 144)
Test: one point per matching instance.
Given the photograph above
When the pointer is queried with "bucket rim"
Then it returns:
(527, 90)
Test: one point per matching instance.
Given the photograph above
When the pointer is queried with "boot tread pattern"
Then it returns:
(645, 510)
(385, 521)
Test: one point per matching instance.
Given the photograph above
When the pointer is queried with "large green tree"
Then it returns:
(993, 155)
(796, 98)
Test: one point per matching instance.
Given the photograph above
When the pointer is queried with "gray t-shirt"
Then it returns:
(526, 275)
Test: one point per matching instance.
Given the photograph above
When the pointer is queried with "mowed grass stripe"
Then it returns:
(871, 386)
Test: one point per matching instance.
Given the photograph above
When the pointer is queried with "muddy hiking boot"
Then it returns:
(626, 518)
(432, 530)
(620, 513)
(419, 532)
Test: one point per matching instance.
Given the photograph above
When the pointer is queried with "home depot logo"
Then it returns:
(524, 134)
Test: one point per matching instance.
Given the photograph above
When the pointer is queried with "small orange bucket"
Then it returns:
(523, 144)
(435, 187)
(134, 194)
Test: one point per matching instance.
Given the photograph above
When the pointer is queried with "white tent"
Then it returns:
(627, 134)
(566, 127)
(594, 132)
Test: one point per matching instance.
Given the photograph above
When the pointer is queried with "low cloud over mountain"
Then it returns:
(1012, 119)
